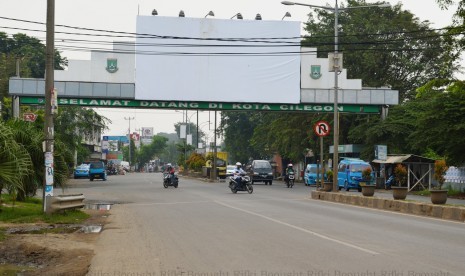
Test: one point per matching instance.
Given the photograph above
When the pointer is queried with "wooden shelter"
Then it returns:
(420, 169)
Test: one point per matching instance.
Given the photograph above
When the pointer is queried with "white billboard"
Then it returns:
(217, 60)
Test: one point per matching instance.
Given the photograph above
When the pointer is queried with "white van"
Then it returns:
(125, 165)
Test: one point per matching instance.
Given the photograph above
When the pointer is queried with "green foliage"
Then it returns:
(77, 124)
(30, 211)
(148, 152)
(238, 129)
(440, 169)
(30, 52)
(193, 130)
(196, 161)
(391, 48)
(329, 175)
(15, 161)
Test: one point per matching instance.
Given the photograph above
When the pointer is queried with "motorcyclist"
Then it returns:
(238, 172)
(289, 169)
(170, 170)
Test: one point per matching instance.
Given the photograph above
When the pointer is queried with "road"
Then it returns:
(202, 229)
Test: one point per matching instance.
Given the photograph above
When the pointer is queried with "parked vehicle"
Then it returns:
(290, 179)
(349, 173)
(112, 169)
(243, 185)
(311, 174)
(97, 171)
(170, 180)
(125, 165)
(391, 181)
(260, 171)
(81, 171)
(230, 170)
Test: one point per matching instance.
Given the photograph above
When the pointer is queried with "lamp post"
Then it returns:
(337, 68)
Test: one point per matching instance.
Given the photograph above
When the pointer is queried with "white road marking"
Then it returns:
(300, 229)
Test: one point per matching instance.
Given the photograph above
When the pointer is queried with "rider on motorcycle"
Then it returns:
(170, 170)
(238, 172)
(289, 169)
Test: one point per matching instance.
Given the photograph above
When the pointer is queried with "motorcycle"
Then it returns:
(111, 170)
(167, 180)
(244, 185)
(290, 179)
(391, 181)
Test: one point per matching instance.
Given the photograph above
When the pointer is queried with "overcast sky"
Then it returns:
(120, 15)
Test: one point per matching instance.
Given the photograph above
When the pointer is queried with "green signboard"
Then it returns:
(328, 108)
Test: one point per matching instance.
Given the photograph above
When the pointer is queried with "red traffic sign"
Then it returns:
(29, 117)
(321, 128)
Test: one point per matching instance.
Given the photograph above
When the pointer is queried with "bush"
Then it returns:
(196, 161)
(401, 174)
(440, 170)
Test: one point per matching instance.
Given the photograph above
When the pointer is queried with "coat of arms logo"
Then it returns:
(112, 65)
(315, 72)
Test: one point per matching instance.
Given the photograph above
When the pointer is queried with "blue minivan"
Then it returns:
(310, 174)
(349, 173)
(97, 170)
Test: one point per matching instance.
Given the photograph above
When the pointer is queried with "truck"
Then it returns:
(221, 163)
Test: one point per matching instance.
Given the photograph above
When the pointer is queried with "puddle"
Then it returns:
(91, 229)
(98, 206)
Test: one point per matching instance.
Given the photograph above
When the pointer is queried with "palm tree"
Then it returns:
(15, 162)
(30, 136)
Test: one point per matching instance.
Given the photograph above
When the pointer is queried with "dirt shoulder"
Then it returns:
(52, 249)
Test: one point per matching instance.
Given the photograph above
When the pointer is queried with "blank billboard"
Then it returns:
(217, 60)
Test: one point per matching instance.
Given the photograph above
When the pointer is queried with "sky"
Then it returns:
(120, 15)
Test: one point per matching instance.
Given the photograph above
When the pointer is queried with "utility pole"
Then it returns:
(16, 98)
(129, 119)
(49, 110)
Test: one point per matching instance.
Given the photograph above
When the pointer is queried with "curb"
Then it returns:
(406, 207)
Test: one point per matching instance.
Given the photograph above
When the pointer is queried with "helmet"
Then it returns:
(289, 165)
(169, 164)
(238, 164)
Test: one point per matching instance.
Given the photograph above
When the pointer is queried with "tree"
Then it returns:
(148, 152)
(238, 128)
(30, 52)
(191, 129)
(15, 162)
(441, 119)
(77, 124)
(385, 46)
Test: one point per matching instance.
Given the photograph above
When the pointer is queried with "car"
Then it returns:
(125, 165)
(260, 171)
(97, 170)
(310, 175)
(349, 173)
(81, 171)
(230, 170)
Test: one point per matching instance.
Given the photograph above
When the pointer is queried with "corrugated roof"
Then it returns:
(404, 158)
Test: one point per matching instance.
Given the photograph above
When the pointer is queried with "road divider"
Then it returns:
(407, 207)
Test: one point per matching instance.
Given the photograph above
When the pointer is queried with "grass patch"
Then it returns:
(422, 193)
(2, 235)
(30, 211)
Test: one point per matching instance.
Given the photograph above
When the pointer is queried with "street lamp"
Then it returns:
(210, 13)
(287, 14)
(237, 15)
(337, 69)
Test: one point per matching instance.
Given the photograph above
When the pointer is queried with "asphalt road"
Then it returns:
(202, 229)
